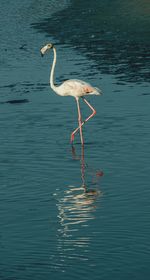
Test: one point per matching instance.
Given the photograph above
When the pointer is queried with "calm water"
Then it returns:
(69, 213)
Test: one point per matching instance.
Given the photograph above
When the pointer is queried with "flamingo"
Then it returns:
(75, 88)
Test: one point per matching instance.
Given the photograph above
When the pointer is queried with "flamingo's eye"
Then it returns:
(50, 46)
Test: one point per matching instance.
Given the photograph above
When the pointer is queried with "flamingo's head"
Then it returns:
(45, 48)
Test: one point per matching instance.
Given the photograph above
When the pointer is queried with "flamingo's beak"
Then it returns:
(43, 50)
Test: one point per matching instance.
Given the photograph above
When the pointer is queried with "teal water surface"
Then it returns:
(68, 212)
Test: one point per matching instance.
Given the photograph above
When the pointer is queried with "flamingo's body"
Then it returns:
(75, 88)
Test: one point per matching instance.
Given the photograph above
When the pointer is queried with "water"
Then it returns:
(68, 213)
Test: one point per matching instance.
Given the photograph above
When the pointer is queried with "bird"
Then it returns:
(72, 87)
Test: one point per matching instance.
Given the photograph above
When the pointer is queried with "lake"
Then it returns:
(69, 212)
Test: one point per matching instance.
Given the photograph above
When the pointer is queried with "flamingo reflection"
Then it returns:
(78, 203)
(76, 210)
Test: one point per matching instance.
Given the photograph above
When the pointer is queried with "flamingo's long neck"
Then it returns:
(52, 71)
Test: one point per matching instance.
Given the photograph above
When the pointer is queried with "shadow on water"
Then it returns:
(76, 207)
(114, 34)
(15, 101)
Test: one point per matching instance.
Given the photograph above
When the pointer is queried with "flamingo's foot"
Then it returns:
(72, 138)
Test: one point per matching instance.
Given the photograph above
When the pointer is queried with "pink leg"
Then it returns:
(80, 121)
(92, 115)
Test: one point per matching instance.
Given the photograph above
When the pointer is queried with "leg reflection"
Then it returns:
(84, 167)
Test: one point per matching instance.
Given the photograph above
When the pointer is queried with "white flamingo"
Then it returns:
(73, 87)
